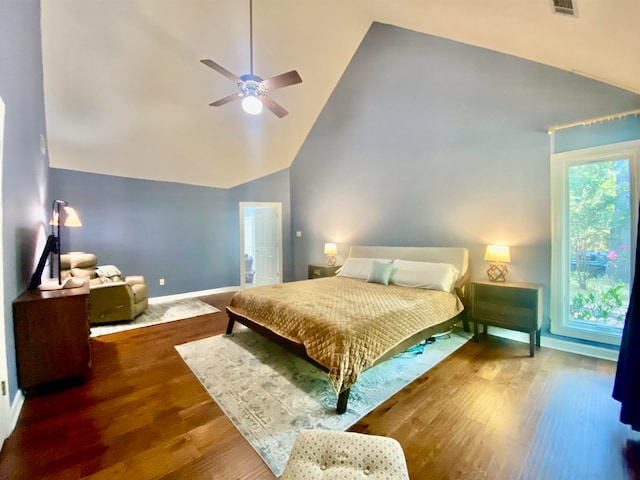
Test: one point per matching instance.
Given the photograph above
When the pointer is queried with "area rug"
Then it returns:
(158, 313)
(271, 395)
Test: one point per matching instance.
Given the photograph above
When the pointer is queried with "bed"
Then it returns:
(383, 301)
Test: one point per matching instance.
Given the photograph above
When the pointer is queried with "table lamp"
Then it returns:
(331, 250)
(497, 255)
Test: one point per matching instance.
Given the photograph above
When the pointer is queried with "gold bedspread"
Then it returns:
(345, 324)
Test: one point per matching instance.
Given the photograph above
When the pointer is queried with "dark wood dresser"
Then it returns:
(52, 337)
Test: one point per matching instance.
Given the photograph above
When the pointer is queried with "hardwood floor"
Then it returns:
(489, 411)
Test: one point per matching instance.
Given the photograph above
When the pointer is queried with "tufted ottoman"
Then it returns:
(329, 455)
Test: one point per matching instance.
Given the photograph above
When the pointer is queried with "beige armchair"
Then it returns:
(112, 297)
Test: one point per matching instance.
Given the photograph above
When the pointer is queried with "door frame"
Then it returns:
(560, 255)
(6, 424)
(242, 206)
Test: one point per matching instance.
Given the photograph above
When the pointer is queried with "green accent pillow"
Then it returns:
(380, 273)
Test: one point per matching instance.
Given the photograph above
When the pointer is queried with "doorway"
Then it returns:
(5, 407)
(260, 243)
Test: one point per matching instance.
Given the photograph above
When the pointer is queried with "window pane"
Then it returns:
(599, 243)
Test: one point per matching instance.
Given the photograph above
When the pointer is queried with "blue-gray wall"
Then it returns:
(156, 229)
(427, 141)
(24, 169)
(188, 235)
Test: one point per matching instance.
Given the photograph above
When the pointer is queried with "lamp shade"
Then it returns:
(497, 253)
(71, 219)
(330, 249)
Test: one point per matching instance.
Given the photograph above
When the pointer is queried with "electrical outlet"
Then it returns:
(162, 281)
(298, 234)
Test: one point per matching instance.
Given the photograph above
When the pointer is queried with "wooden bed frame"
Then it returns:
(459, 257)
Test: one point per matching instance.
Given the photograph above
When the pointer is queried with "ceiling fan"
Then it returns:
(251, 88)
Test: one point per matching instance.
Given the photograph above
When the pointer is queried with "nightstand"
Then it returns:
(512, 305)
(319, 271)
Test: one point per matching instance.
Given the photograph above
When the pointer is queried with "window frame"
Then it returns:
(561, 323)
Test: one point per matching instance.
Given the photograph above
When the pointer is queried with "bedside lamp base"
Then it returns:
(497, 272)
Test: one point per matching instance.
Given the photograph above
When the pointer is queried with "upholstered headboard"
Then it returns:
(458, 257)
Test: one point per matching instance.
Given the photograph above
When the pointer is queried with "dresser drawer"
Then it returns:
(505, 314)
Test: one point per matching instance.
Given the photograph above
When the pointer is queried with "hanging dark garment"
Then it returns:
(626, 388)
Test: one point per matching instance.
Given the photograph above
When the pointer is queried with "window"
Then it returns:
(594, 198)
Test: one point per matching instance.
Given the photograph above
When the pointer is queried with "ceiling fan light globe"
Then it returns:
(252, 105)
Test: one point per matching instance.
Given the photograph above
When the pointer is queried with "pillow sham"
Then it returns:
(359, 267)
(434, 276)
(380, 273)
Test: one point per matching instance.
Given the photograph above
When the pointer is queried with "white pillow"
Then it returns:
(359, 267)
(434, 276)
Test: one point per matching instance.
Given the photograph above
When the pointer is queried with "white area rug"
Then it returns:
(158, 313)
(271, 395)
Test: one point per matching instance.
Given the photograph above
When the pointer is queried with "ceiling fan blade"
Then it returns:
(222, 70)
(273, 106)
(226, 100)
(283, 80)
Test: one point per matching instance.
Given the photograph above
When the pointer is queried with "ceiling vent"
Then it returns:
(565, 7)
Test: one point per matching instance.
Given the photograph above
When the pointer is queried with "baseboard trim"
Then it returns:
(558, 344)
(201, 293)
(588, 350)
(16, 408)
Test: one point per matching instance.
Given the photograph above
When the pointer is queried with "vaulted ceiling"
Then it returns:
(126, 94)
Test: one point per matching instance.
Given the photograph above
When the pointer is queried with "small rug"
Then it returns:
(158, 313)
(271, 395)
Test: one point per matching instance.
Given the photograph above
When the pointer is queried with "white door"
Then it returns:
(266, 246)
(5, 406)
(267, 242)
